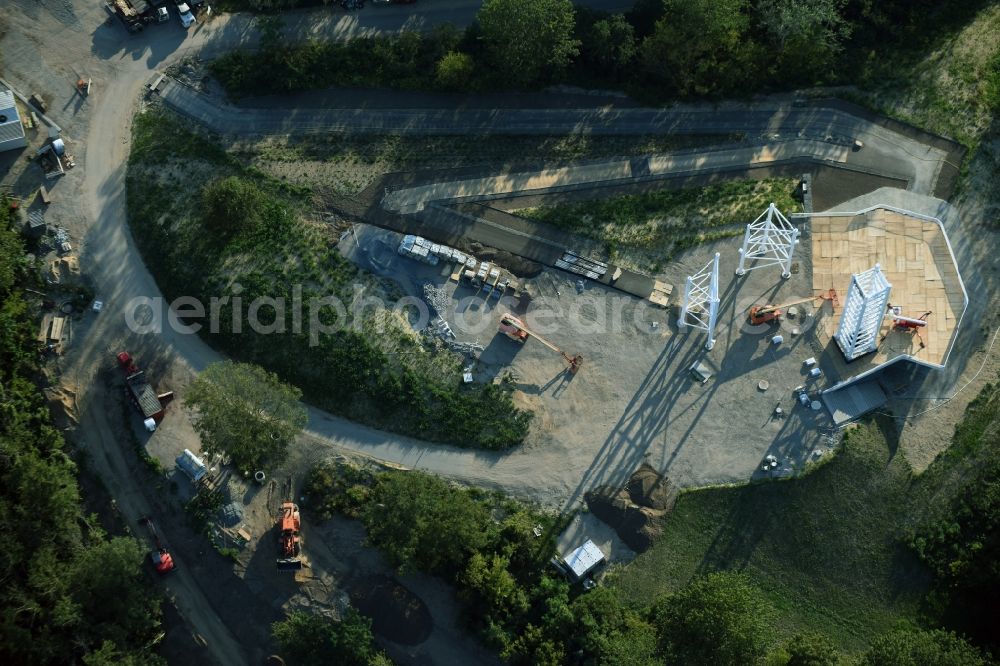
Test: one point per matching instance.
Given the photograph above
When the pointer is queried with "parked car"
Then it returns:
(186, 17)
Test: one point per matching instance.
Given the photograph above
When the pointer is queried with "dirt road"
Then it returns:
(103, 441)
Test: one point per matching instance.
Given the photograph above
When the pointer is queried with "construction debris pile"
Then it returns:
(437, 298)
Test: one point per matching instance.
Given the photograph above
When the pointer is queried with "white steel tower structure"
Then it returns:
(864, 308)
(701, 300)
(769, 240)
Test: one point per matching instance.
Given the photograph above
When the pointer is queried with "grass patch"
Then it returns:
(346, 164)
(954, 89)
(647, 229)
(246, 234)
(825, 548)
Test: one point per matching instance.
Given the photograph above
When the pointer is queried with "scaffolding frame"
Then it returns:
(701, 300)
(864, 309)
(769, 240)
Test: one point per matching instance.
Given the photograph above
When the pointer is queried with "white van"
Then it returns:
(187, 18)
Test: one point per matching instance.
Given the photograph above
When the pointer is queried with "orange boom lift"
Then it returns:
(765, 314)
(515, 329)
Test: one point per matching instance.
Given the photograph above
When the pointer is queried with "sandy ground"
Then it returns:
(634, 400)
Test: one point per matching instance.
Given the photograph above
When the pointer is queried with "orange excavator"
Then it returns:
(765, 314)
(289, 543)
(515, 329)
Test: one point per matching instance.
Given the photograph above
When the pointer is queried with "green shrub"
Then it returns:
(314, 640)
(336, 488)
(454, 71)
(922, 648)
(717, 620)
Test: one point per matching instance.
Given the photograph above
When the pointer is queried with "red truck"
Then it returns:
(161, 558)
(140, 393)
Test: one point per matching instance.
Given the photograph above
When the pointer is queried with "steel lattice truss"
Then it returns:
(864, 309)
(701, 300)
(769, 240)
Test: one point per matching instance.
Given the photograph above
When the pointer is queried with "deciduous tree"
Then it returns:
(307, 639)
(806, 34)
(610, 45)
(528, 41)
(922, 648)
(702, 48)
(425, 523)
(245, 412)
(716, 620)
(811, 649)
(454, 71)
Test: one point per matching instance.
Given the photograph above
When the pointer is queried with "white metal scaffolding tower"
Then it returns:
(701, 300)
(864, 308)
(769, 240)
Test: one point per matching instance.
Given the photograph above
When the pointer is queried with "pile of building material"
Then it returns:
(52, 330)
(421, 249)
(437, 298)
(191, 465)
(65, 271)
(62, 241)
(53, 159)
(574, 263)
(441, 329)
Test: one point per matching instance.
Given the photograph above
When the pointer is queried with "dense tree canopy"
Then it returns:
(702, 48)
(421, 521)
(716, 620)
(307, 639)
(922, 648)
(805, 36)
(811, 649)
(961, 542)
(245, 412)
(68, 593)
(609, 45)
(528, 41)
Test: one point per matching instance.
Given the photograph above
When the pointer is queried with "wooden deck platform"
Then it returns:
(917, 261)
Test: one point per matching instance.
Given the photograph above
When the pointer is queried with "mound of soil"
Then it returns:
(649, 489)
(397, 614)
(636, 510)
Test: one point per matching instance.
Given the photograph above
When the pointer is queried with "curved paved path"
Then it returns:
(773, 129)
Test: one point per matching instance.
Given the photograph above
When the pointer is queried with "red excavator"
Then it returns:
(163, 562)
(289, 543)
(515, 329)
